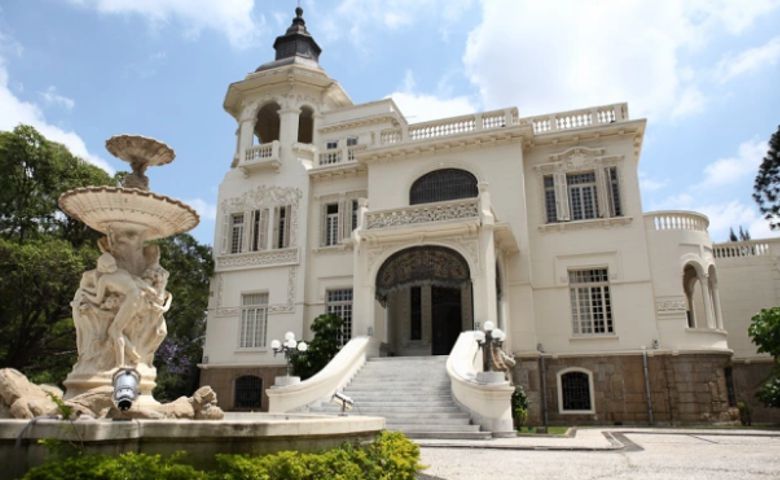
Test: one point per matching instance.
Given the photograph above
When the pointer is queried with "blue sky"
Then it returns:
(705, 73)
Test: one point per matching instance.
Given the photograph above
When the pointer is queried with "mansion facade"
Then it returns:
(416, 232)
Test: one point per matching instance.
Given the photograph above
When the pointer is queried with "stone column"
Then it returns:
(707, 300)
(288, 129)
(484, 281)
(716, 305)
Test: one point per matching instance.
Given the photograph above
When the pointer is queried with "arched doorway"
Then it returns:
(426, 293)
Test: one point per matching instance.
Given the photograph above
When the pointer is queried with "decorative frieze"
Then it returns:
(267, 258)
(668, 306)
(427, 213)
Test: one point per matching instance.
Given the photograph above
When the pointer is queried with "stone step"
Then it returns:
(374, 382)
(427, 389)
(385, 410)
(396, 395)
(410, 358)
(419, 434)
(411, 427)
(425, 420)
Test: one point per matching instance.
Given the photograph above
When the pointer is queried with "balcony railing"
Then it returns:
(425, 213)
(342, 155)
(676, 220)
(749, 248)
(578, 118)
(261, 156)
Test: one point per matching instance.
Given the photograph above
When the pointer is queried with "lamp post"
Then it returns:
(489, 339)
(289, 347)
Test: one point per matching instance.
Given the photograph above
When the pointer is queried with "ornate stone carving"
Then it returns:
(426, 213)
(265, 196)
(421, 265)
(258, 259)
(287, 307)
(671, 305)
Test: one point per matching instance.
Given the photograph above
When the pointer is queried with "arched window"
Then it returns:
(694, 296)
(442, 185)
(575, 391)
(248, 392)
(306, 125)
(267, 126)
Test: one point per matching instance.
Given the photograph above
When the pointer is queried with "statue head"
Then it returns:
(106, 263)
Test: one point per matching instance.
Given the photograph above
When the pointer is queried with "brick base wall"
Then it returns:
(748, 378)
(222, 380)
(685, 389)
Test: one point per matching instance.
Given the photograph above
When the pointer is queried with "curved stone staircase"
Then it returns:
(413, 394)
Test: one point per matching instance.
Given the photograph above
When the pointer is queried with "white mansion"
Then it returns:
(415, 233)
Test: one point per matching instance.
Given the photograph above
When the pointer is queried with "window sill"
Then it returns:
(577, 412)
(706, 330)
(344, 246)
(590, 223)
(252, 350)
(594, 337)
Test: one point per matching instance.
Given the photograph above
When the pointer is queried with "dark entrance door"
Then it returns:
(445, 319)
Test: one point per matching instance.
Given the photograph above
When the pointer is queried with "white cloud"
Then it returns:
(51, 97)
(748, 61)
(14, 111)
(726, 171)
(421, 107)
(647, 184)
(232, 18)
(206, 210)
(548, 56)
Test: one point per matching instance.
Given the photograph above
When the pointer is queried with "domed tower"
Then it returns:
(258, 288)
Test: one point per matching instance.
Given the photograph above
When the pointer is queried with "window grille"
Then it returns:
(282, 226)
(254, 316)
(730, 391)
(575, 391)
(332, 224)
(583, 200)
(615, 208)
(549, 199)
(236, 233)
(591, 305)
(248, 392)
(332, 144)
(354, 214)
(443, 185)
(352, 141)
(339, 302)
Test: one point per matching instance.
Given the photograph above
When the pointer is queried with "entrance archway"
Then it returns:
(426, 292)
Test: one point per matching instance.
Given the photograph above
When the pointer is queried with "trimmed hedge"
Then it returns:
(391, 457)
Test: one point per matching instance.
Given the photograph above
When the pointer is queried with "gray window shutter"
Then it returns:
(287, 222)
(561, 196)
(225, 233)
(602, 187)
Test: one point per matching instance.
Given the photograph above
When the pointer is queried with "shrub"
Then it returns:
(391, 456)
(322, 348)
(519, 407)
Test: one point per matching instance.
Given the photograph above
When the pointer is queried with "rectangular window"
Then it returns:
(236, 232)
(549, 199)
(281, 237)
(416, 313)
(254, 315)
(613, 192)
(332, 144)
(339, 302)
(583, 201)
(730, 391)
(352, 141)
(331, 224)
(259, 233)
(591, 305)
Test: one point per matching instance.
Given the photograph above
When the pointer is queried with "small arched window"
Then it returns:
(306, 125)
(267, 125)
(575, 392)
(248, 392)
(442, 185)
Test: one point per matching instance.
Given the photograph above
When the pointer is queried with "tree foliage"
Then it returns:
(43, 253)
(766, 188)
(322, 348)
(764, 331)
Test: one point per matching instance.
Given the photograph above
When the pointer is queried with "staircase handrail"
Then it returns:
(321, 386)
(489, 405)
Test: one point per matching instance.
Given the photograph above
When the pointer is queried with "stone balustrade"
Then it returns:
(449, 126)
(266, 151)
(578, 118)
(342, 155)
(748, 248)
(426, 213)
(676, 220)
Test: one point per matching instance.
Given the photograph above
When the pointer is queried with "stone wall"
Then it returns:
(222, 380)
(685, 389)
(748, 378)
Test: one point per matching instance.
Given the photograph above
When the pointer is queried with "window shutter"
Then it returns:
(225, 233)
(246, 233)
(262, 242)
(345, 218)
(275, 230)
(323, 223)
(561, 196)
(602, 187)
